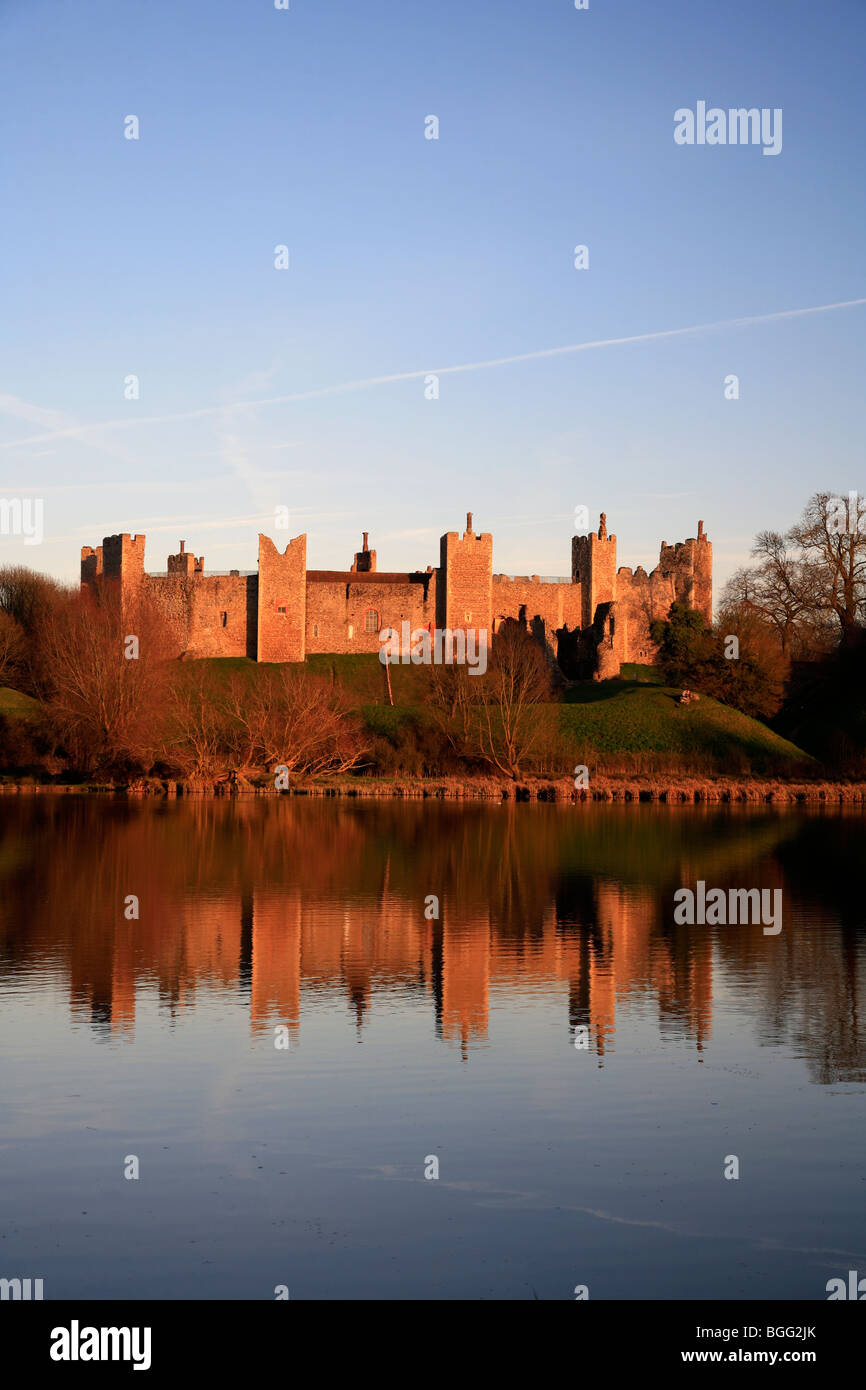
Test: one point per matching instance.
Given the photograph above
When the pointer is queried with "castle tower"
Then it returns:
(703, 572)
(120, 559)
(91, 564)
(464, 593)
(593, 566)
(690, 564)
(282, 601)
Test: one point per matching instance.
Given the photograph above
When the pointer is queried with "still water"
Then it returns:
(412, 1037)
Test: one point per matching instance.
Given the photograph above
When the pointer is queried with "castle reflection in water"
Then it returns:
(285, 905)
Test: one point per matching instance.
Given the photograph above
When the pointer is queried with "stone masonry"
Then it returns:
(285, 611)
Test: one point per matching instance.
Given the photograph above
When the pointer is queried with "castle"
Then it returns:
(599, 616)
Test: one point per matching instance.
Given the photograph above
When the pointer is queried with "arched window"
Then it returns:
(371, 620)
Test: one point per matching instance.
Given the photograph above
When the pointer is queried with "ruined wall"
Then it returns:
(91, 564)
(282, 600)
(338, 606)
(546, 608)
(684, 574)
(641, 598)
(465, 580)
(608, 642)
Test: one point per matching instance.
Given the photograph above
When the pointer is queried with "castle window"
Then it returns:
(371, 620)
(351, 632)
(281, 608)
(315, 629)
(225, 619)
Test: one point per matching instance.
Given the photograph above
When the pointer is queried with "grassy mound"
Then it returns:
(15, 705)
(634, 717)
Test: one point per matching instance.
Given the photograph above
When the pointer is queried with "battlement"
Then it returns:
(91, 563)
(119, 558)
(690, 564)
(185, 565)
(283, 610)
(532, 579)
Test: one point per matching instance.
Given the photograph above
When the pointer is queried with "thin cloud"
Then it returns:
(363, 383)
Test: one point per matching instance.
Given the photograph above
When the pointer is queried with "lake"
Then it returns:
(375, 1050)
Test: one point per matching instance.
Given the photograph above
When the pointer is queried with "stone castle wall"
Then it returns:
(346, 612)
(285, 611)
(547, 608)
(205, 615)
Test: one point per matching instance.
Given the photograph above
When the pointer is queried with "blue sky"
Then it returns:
(305, 128)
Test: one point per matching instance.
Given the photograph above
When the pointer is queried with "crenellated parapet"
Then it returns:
(284, 610)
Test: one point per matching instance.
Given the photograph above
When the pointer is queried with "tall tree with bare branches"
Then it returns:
(101, 676)
(507, 724)
(831, 538)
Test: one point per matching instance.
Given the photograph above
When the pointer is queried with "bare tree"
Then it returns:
(831, 537)
(103, 693)
(775, 589)
(451, 698)
(12, 648)
(198, 736)
(507, 723)
(27, 595)
(287, 718)
(26, 599)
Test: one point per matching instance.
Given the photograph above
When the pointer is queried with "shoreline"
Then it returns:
(611, 790)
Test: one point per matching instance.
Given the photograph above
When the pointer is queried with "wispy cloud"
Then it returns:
(364, 383)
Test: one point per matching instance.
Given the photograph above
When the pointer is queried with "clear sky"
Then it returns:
(306, 128)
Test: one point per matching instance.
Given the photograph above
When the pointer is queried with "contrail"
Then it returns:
(364, 382)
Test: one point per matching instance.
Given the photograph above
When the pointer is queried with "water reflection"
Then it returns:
(287, 905)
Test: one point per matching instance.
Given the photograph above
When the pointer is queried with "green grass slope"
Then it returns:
(15, 705)
(615, 724)
(622, 716)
